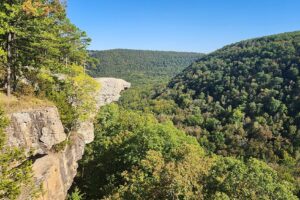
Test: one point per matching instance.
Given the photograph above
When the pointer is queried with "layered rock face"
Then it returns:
(56, 171)
(35, 130)
(39, 130)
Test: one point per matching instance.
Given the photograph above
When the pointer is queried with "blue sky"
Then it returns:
(181, 25)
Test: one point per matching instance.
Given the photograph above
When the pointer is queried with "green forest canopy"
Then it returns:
(244, 99)
(136, 157)
(140, 66)
(240, 101)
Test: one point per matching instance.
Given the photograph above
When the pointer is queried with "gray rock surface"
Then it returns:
(110, 91)
(40, 129)
(35, 130)
(86, 129)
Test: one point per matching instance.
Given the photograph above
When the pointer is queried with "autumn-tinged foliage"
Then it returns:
(42, 53)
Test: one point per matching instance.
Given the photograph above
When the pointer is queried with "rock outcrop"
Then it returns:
(35, 130)
(39, 130)
(86, 130)
(110, 90)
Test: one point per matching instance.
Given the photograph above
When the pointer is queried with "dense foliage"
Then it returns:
(42, 53)
(136, 157)
(230, 178)
(240, 101)
(138, 66)
(73, 92)
(243, 100)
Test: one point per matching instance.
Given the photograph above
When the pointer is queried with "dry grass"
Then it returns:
(14, 104)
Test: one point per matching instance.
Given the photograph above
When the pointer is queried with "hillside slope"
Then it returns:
(150, 158)
(139, 66)
(244, 99)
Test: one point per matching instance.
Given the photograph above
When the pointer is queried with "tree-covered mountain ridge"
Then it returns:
(243, 99)
(145, 51)
(138, 66)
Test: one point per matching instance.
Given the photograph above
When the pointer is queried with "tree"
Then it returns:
(37, 34)
(251, 180)
(147, 160)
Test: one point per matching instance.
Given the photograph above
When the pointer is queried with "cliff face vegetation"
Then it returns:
(42, 55)
(38, 157)
(13, 174)
(37, 133)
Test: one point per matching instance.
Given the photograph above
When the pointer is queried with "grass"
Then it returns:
(14, 104)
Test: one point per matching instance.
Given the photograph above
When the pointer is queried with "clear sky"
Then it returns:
(181, 25)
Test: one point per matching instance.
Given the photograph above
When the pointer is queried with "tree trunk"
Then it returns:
(9, 64)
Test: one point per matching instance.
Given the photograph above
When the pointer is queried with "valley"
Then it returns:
(237, 103)
(132, 124)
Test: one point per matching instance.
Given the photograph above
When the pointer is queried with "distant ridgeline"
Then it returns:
(139, 66)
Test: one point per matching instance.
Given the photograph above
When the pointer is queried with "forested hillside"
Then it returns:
(134, 156)
(243, 99)
(241, 105)
(138, 66)
(226, 127)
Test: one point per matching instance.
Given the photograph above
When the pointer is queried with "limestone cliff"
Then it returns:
(39, 130)
(111, 89)
(35, 130)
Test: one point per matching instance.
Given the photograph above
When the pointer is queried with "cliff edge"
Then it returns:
(39, 131)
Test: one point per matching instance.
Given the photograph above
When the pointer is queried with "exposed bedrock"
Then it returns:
(38, 130)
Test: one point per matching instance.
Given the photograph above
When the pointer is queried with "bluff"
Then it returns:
(39, 131)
